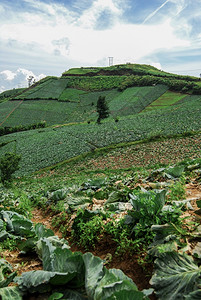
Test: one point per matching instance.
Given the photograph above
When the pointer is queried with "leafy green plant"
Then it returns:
(148, 209)
(176, 277)
(89, 232)
(9, 244)
(177, 190)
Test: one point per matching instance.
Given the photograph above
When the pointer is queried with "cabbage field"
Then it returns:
(101, 211)
(137, 217)
(44, 147)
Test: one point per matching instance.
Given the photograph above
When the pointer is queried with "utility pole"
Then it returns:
(110, 61)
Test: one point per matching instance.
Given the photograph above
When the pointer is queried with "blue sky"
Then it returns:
(49, 37)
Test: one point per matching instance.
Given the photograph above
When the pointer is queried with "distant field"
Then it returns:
(72, 95)
(79, 106)
(141, 69)
(11, 93)
(47, 89)
(135, 99)
(33, 111)
(45, 147)
(165, 100)
(6, 108)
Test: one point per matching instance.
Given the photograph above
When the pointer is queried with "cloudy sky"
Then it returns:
(51, 36)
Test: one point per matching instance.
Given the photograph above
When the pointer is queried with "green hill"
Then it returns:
(127, 190)
(141, 107)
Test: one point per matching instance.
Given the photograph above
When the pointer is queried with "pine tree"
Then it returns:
(102, 109)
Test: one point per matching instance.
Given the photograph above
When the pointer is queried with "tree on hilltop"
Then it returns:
(102, 109)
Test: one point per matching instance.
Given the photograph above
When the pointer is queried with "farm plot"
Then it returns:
(87, 106)
(70, 94)
(91, 98)
(126, 102)
(33, 111)
(49, 89)
(165, 100)
(41, 148)
(135, 99)
(45, 147)
(191, 100)
(6, 108)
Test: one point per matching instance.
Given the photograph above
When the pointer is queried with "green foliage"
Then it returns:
(95, 83)
(176, 276)
(177, 190)
(11, 293)
(7, 130)
(173, 82)
(87, 228)
(9, 244)
(9, 164)
(10, 93)
(16, 200)
(102, 109)
(71, 95)
(65, 273)
(149, 208)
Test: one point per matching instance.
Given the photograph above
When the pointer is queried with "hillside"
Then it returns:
(128, 189)
(136, 113)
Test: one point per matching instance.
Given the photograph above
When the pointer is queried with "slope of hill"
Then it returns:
(128, 190)
(136, 113)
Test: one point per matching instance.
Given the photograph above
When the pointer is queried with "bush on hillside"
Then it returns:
(6, 130)
(102, 109)
(9, 163)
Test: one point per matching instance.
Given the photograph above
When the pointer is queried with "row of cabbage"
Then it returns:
(65, 275)
(76, 276)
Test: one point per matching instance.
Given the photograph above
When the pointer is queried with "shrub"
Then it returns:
(8, 165)
(102, 109)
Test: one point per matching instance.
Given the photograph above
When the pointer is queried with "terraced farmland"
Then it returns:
(31, 111)
(45, 147)
(51, 88)
(165, 100)
(78, 105)
(71, 100)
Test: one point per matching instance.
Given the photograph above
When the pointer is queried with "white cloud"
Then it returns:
(10, 80)
(90, 16)
(9, 75)
(52, 32)
(125, 42)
